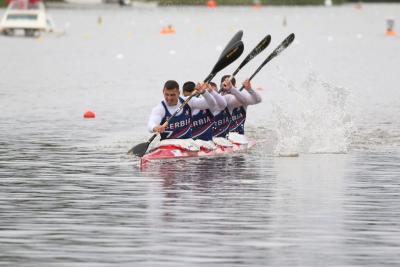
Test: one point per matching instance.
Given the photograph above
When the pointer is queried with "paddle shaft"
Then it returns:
(259, 68)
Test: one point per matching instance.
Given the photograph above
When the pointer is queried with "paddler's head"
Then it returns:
(171, 92)
(213, 86)
(188, 88)
(227, 84)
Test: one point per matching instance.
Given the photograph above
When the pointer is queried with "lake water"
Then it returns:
(321, 188)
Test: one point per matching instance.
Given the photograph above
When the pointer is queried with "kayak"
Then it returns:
(167, 152)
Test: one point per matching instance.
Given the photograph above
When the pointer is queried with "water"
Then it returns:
(320, 188)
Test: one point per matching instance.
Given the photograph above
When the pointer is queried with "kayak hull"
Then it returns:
(175, 152)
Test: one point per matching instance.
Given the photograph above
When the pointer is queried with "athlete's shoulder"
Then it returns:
(157, 108)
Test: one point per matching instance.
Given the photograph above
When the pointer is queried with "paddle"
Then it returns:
(230, 55)
(282, 46)
(236, 38)
(256, 50)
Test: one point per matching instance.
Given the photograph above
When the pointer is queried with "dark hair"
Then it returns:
(188, 86)
(233, 80)
(213, 84)
(171, 84)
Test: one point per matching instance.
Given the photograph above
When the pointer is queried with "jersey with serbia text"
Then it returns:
(179, 127)
(202, 125)
(238, 119)
(221, 123)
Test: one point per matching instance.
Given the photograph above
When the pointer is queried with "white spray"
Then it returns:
(312, 118)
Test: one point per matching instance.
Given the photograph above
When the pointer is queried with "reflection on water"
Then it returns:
(204, 206)
(82, 206)
(372, 215)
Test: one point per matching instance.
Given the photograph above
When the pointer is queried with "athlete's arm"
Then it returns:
(221, 102)
(252, 97)
(238, 95)
(234, 99)
(232, 102)
(156, 115)
(205, 102)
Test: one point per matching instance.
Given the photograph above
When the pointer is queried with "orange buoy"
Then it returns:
(89, 115)
(390, 33)
(167, 30)
(211, 4)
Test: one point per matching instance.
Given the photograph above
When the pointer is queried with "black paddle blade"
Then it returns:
(285, 43)
(230, 56)
(236, 38)
(140, 149)
(257, 50)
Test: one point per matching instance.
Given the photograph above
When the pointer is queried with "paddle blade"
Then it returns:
(230, 56)
(285, 43)
(257, 50)
(236, 38)
(140, 149)
(282, 46)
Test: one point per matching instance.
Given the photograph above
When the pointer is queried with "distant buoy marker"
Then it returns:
(168, 30)
(211, 4)
(390, 27)
(89, 115)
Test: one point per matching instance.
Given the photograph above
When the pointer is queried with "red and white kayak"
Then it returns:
(176, 152)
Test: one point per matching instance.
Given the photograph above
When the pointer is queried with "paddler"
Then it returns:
(234, 99)
(179, 127)
(203, 119)
(238, 113)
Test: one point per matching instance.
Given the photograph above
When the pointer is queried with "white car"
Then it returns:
(26, 16)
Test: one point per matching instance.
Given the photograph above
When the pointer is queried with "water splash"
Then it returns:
(312, 118)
